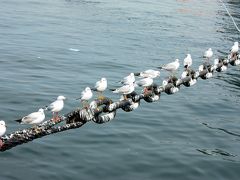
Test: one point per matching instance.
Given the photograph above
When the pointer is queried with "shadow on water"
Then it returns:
(221, 129)
(215, 152)
(218, 152)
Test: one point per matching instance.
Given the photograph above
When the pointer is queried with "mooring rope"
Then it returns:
(103, 110)
(225, 7)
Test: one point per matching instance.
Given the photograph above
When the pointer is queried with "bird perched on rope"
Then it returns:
(56, 106)
(2, 130)
(100, 86)
(86, 95)
(150, 73)
(171, 67)
(145, 82)
(187, 62)
(234, 50)
(208, 54)
(128, 79)
(125, 90)
(33, 118)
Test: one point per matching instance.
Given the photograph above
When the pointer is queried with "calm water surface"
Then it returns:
(58, 47)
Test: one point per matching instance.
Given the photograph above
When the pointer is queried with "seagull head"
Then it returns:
(103, 79)
(41, 110)
(236, 43)
(61, 98)
(87, 89)
(2, 123)
(177, 60)
(210, 49)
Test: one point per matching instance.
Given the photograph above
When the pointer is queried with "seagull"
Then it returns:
(150, 73)
(208, 54)
(2, 130)
(56, 107)
(101, 86)
(128, 79)
(146, 82)
(86, 95)
(187, 62)
(33, 118)
(235, 48)
(172, 67)
(125, 90)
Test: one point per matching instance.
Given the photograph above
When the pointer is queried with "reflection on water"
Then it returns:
(222, 129)
(215, 152)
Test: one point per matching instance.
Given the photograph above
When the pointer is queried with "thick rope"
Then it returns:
(104, 110)
(230, 15)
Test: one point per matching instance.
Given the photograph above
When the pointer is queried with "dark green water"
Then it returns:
(174, 138)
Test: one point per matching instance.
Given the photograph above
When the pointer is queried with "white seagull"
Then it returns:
(172, 67)
(208, 54)
(86, 95)
(101, 86)
(2, 130)
(56, 107)
(128, 79)
(33, 118)
(125, 90)
(145, 82)
(150, 73)
(187, 62)
(235, 48)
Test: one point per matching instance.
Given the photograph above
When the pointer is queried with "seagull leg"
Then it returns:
(100, 96)
(57, 117)
(1, 143)
(53, 118)
(85, 104)
(145, 90)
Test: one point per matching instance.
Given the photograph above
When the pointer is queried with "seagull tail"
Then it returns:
(46, 108)
(160, 67)
(94, 89)
(136, 74)
(19, 120)
(112, 89)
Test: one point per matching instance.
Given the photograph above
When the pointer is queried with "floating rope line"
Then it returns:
(103, 110)
(230, 15)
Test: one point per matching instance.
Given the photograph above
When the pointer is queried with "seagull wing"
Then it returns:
(98, 83)
(31, 117)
